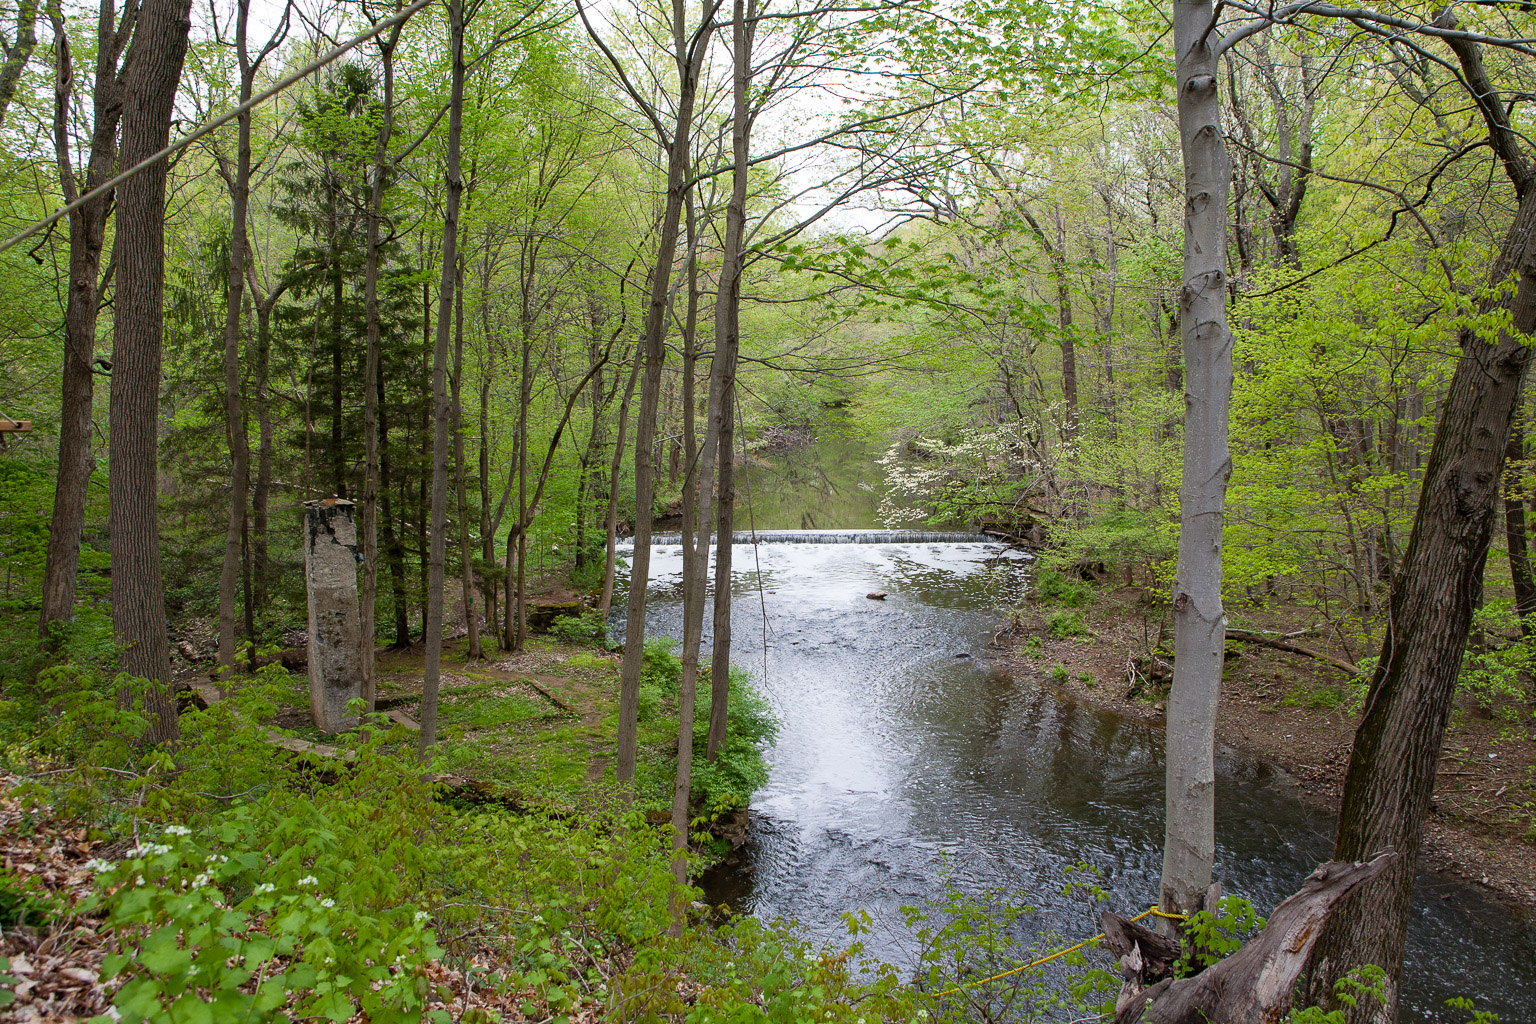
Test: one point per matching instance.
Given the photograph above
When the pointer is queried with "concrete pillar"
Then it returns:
(330, 580)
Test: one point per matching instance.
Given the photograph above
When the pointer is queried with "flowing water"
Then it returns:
(906, 758)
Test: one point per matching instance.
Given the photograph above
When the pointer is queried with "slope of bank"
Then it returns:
(1298, 713)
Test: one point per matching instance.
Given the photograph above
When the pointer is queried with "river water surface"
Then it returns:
(906, 758)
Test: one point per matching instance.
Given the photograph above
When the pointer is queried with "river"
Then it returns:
(906, 757)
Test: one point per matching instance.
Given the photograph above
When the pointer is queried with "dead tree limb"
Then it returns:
(1285, 645)
(1253, 985)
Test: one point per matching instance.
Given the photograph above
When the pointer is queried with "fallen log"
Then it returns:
(1281, 644)
(1253, 985)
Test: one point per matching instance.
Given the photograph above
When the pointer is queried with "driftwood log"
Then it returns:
(1253, 985)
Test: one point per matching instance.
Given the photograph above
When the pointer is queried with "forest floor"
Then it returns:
(537, 725)
(1300, 714)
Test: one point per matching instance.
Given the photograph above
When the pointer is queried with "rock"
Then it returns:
(877, 595)
(541, 616)
(962, 654)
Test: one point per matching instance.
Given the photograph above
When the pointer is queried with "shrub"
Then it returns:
(587, 628)
(738, 770)
(1063, 624)
(1060, 675)
(1324, 698)
(1054, 587)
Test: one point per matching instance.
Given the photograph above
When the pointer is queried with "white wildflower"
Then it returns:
(421, 915)
(97, 865)
(263, 889)
(192, 971)
(327, 902)
(178, 830)
(200, 881)
(139, 880)
(307, 880)
(538, 919)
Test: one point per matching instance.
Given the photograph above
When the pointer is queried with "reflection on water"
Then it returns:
(833, 484)
(904, 757)
(904, 754)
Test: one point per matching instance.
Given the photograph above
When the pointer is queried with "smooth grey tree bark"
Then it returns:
(1199, 621)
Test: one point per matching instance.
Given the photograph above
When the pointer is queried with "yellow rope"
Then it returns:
(1151, 912)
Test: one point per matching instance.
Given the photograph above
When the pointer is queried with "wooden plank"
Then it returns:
(15, 426)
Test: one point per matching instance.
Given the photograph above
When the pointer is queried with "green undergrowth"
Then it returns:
(243, 881)
(238, 880)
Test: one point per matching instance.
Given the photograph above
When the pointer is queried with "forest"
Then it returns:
(382, 385)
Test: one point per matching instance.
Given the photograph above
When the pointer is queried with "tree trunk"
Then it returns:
(487, 533)
(18, 53)
(1256, 984)
(525, 398)
(727, 346)
(234, 311)
(87, 235)
(398, 600)
(154, 66)
(696, 487)
(440, 412)
(610, 555)
(339, 470)
(372, 382)
(260, 497)
(1064, 315)
(466, 552)
(679, 161)
(1199, 621)
(1514, 531)
(1391, 774)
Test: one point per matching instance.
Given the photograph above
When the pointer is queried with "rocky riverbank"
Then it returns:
(1299, 713)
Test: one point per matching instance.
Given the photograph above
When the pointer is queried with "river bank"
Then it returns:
(1299, 714)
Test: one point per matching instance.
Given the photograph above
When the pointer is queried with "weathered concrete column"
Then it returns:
(330, 580)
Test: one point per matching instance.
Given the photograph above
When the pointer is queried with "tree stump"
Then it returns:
(335, 637)
(1253, 985)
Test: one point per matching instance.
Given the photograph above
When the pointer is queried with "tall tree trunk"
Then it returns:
(727, 346)
(372, 382)
(17, 53)
(679, 161)
(1392, 766)
(1514, 531)
(610, 555)
(399, 603)
(466, 552)
(1199, 621)
(339, 471)
(261, 495)
(440, 412)
(87, 235)
(138, 593)
(698, 487)
(487, 534)
(1064, 318)
(525, 398)
(234, 311)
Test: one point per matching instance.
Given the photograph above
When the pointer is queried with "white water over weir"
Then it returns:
(843, 537)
